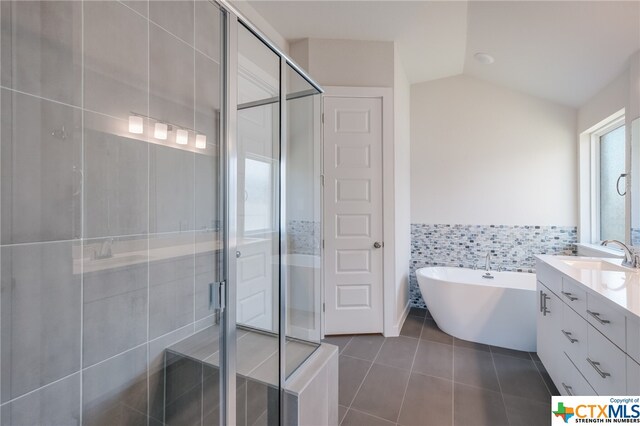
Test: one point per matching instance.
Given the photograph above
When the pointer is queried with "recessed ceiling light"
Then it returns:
(484, 58)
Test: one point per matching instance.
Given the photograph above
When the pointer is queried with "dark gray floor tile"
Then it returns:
(365, 346)
(398, 352)
(434, 359)
(382, 392)
(520, 377)
(510, 352)
(475, 368)
(428, 401)
(418, 312)
(524, 412)
(551, 387)
(430, 331)
(358, 418)
(340, 341)
(351, 375)
(471, 345)
(474, 406)
(412, 327)
(342, 411)
(534, 356)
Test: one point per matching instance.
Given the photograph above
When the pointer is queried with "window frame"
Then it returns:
(589, 191)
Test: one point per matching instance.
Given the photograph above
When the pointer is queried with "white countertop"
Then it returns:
(620, 287)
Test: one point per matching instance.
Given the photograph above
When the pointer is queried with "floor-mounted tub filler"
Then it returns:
(498, 310)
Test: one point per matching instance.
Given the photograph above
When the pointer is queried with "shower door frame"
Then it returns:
(228, 369)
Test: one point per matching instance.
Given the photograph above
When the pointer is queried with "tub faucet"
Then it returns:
(487, 262)
(630, 258)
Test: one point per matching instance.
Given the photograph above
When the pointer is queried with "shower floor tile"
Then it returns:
(464, 380)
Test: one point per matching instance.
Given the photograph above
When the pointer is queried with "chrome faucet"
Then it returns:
(105, 250)
(487, 262)
(630, 258)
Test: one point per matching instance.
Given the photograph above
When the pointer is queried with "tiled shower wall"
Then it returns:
(108, 238)
(512, 248)
(304, 237)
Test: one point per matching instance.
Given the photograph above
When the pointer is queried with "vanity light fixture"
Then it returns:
(136, 124)
(201, 141)
(160, 130)
(182, 136)
(484, 58)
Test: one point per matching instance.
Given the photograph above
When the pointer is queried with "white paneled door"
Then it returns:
(353, 215)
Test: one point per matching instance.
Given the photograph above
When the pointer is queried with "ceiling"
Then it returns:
(564, 51)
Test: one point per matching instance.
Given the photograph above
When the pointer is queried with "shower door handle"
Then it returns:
(217, 296)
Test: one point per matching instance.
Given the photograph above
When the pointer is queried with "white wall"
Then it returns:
(483, 154)
(347, 62)
(611, 99)
(402, 143)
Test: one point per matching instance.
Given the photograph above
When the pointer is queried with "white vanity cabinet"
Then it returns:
(583, 338)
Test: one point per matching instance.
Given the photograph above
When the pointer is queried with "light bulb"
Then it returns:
(160, 131)
(136, 124)
(182, 137)
(201, 141)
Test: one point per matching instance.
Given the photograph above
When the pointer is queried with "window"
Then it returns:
(611, 147)
(602, 181)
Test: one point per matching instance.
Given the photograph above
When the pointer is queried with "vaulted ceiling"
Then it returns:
(565, 51)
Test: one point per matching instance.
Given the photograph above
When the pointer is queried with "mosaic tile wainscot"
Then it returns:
(512, 247)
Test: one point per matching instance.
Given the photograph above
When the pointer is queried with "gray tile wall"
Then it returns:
(512, 247)
(82, 339)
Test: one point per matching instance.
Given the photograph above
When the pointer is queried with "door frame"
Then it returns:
(388, 213)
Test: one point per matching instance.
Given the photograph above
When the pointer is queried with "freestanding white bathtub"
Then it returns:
(499, 311)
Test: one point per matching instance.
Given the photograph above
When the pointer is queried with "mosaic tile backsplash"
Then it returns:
(303, 237)
(512, 248)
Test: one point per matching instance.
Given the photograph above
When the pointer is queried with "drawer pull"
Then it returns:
(569, 296)
(596, 315)
(596, 366)
(568, 336)
(567, 389)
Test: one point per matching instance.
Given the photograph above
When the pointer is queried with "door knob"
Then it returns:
(377, 244)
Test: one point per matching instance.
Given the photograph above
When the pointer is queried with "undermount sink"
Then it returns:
(596, 265)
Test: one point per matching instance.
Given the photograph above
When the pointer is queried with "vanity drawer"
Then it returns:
(574, 294)
(633, 377)
(633, 338)
(573, 334)
(605, 365)
(608, 320)
(549, 276)
(571, 381)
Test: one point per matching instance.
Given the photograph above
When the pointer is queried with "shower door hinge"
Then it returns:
(323, 310)
(217, 296)
(322, 180)
(323, 118)
(322, 244)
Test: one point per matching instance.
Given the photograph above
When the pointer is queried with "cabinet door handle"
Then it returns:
(569, 296)
(596, 315)
(596, 366)
(541, 300)
(568, 336)
(567, 389)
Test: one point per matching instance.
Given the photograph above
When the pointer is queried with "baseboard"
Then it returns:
(395, 330)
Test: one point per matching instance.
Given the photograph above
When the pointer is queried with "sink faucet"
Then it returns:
(630, 259)
(105, 250)
(487, 262)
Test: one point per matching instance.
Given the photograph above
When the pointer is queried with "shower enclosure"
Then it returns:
(160, 216)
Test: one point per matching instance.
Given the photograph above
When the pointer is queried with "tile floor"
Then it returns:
(426, 377)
